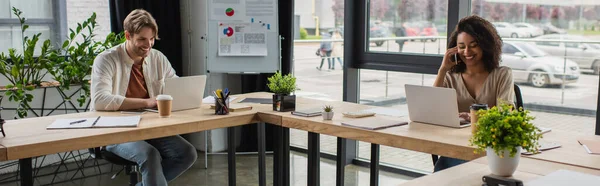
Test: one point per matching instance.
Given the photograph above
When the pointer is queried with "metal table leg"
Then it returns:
(231, 155)
(262, 173)
(374, 164)
(313, 159)
(26, 172)
(340, 162)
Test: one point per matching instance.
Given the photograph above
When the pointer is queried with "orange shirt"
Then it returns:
(137, 84)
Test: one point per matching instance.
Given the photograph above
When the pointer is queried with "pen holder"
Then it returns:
(221, 106)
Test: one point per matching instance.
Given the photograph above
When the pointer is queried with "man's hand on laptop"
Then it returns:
(465, 115)
(151, 102)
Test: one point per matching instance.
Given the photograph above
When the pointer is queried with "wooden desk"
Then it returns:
(571, 152)
(29, 137)
(470, 173)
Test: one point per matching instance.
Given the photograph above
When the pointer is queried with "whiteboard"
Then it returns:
(246, 11)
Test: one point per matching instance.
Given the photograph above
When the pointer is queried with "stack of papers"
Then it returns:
(97, 122)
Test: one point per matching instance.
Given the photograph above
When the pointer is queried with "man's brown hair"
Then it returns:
(138, 19)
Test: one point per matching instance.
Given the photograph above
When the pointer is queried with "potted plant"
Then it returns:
(503, 132)
(24, 71)
(327, 112)
(282, 87)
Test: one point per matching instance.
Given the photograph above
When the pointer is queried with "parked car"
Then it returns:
(586, 55)
(421, 28)
(508, 30)
(534, 66)
(378, 30)
(551, 29)
(533, 30)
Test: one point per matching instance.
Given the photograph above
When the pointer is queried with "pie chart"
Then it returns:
(229, 12)
(228, 31)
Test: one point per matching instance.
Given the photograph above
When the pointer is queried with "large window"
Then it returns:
(39, 16)
(408, 26)
(557, 65)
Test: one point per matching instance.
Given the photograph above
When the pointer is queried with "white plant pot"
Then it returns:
(505, 166)
(327, 115)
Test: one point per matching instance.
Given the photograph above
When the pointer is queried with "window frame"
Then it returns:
(57, 25)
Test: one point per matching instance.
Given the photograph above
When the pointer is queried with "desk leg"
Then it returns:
(340, 161)
(26, 172)
(231, 155)
(313, 159)
(262, 173)
(374, 164)
(286, 157)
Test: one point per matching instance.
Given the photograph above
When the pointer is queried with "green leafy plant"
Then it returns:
(284, 85)
(328, 108)
(504, 128)
(24, 71)
(72, 63)
(303, 33)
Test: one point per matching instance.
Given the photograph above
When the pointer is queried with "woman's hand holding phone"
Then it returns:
(450, 59)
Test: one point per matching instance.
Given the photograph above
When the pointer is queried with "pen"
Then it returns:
(96, 121)
(79, 121)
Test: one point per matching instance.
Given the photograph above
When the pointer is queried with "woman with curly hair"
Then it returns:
(471, 67)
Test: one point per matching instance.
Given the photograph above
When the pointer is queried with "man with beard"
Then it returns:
(129, 77)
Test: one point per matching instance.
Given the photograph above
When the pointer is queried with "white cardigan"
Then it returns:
(111, 72)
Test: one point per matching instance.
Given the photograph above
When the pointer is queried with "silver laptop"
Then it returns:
(187, 92)
(433, 105)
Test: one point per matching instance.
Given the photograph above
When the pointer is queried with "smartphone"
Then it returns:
(456, 58)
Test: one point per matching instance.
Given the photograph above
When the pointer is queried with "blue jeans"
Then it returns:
(446, 162)
(161, 160)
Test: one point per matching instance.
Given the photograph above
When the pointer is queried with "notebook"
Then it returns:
(373, 123)
(308, 112)
(544, 145)
(565, 177)
(96, 122)
(591, 146)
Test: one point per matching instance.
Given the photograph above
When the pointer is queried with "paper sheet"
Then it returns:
(240, 39)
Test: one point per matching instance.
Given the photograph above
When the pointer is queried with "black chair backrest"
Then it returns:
(519, 98)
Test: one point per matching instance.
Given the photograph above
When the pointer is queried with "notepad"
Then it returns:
(308, 112)
(373, 123)
(590, 146)
(96, 122)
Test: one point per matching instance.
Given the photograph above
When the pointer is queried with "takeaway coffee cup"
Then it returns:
(164, 103)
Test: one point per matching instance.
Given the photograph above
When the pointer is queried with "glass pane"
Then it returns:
(10, 37)
(6, 39)
(386, 89)
(558, 79)
(79, 11)
(318, 58)
(408, 26)
(5, 11)
(32, 9)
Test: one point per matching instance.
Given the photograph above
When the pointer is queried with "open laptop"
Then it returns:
(187, 92)
(433, 105)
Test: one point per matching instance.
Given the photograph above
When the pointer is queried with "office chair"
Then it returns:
(131, 168)
(518, 104)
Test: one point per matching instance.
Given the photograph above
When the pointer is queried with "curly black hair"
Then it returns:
(485, 35)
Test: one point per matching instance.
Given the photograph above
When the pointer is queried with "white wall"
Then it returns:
(322, 10)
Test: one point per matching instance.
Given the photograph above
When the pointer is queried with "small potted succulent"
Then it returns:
(503, 133)
(327, 112)
(282, 87)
